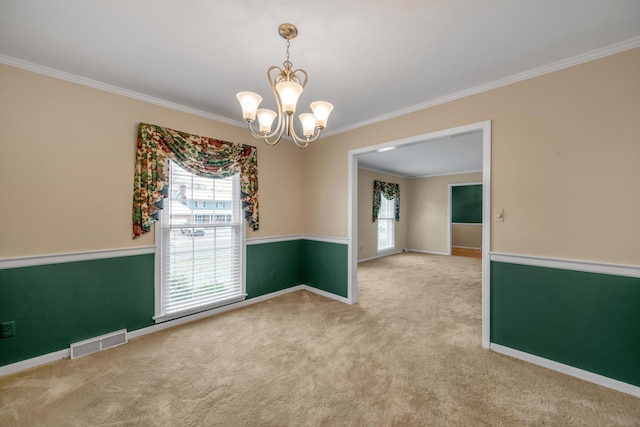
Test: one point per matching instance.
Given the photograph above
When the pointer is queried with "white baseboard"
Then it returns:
(379, 256)
(66, 353)
(325, 294)
(430, 252)
(209, 313)
(34, 362)
(569, 370)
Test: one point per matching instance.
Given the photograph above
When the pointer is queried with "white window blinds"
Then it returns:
(386, 224)
(202, 252)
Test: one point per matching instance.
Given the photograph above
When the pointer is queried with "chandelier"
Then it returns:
(286, 85)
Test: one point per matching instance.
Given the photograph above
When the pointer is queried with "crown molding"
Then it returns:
(536, 72)
(83, 81)
(556, 66)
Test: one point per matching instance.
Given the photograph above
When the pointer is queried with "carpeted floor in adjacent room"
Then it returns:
(408, 354)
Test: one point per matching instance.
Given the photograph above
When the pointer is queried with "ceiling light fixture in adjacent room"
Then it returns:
(382, 150)
(286, 85)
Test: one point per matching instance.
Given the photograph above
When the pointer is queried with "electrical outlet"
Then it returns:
(8, 329)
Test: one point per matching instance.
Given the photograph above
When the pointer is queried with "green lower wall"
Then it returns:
(272, 267)
(586, 320)
(58, 304)
(326, 266)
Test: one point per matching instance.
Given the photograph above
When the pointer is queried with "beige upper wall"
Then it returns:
(429, 210)
(424, 205)
(368, 230)
(67, 156)
(466, 236)
(565, 152)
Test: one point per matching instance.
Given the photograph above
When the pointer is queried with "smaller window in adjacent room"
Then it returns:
(386, 224)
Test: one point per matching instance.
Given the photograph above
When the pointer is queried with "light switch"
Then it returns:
(499, 215)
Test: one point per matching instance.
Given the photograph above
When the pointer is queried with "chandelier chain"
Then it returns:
(287, 65)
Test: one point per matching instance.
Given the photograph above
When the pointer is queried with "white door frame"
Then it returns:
(485, 127)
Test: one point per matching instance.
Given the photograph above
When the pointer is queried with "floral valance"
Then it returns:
(389, 191)
(197, 154)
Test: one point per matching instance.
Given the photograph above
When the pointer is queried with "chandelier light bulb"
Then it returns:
(321, 111)
(308, 124)
(265, 118)
(289, 93)
(249, 102)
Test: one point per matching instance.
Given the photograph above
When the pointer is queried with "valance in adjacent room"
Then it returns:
(389, 191)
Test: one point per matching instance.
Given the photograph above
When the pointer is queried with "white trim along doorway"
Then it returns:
(485, 127)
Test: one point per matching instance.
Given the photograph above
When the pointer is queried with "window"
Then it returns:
(223, 218)
(201, 218)
(201, 262)
(386, 224)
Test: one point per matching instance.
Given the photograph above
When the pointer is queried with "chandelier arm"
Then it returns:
(264, 137)
(279, 128)
(294, 74)
(294, 137)
(315, 136)
(305, 145)
(272, 83)
(266, 141)
(302, 142)
(277, 132)
(253, 132)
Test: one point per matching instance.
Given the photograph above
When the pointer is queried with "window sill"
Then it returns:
(197, 310)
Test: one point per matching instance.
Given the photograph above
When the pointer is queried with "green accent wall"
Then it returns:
(326, 267)
(586, 320)
(272, 267)
(466, 204)
(58, 304)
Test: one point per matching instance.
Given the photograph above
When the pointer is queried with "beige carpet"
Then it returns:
(408, 354)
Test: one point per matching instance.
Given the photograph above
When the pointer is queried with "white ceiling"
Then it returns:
(373, 59)
(447, 155)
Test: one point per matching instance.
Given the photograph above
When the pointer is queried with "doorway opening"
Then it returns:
(464, 237)
(485, 128)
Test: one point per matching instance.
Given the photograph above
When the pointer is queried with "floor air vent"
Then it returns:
(92, 345)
